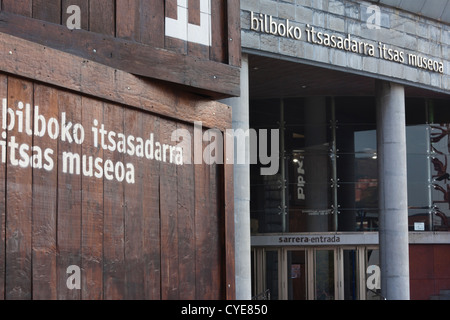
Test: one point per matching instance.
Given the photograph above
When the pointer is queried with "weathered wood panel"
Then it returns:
(151, 240)
(19, 189)
(22, 7)
(96, 184)
(45, 201)
(133, 36)
(114, 217)
(39, 63)
(69, 223)
(104, 187)
(3, 93)
(169, 224)
(92, 202)
(134, 214)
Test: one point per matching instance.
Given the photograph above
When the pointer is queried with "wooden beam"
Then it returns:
(208, 77)
(229, 234)
(37, 62)
(234, 32)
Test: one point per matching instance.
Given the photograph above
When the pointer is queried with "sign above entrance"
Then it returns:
(268, 24)
(340, 239)
(351, 36)
(319, 239)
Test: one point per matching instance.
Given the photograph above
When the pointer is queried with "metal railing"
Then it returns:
(262, 296)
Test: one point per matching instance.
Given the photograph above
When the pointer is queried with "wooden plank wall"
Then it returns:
(140, 21)
(162, 237)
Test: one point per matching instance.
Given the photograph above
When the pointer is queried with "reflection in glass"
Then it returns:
(350, 275)
(272, 274)
(324, 275)
(373, 275)
(329, 180)
(296, 275)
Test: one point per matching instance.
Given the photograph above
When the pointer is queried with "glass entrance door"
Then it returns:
(324, 274)
(316, 273)
(297, 274)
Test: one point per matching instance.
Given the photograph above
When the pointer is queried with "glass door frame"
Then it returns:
(259, 269)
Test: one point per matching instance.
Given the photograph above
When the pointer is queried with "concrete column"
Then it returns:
(392, 186)
(240, 108)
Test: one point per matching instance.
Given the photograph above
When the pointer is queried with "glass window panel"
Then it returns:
(272, 266)
(363, 219)
(324, 275)
(441, 218)
(439, 137)
(416, 111)
(373, 275)
(419, 218)
(438, 111)
(362, 194)
(355, 110)
(265, 206)
(350, 274)
(418, 139)
(296, 275)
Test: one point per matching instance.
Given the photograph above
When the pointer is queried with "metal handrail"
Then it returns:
(262, 296)
(377, 294)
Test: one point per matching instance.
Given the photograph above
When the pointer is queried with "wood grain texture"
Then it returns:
(169, 220)
(114, 216)
(22, 7)
(19, 204)
(91, 206)
(186, 216)
(55, 67)
(45, 201)
(69, 223)
(47, 10)
(151, 237)
(134, 215)
(166, 235)
(130, 36)
(3, 93)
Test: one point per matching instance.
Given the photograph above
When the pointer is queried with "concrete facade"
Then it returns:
(378, 28)
(240, 121)
(392, 195)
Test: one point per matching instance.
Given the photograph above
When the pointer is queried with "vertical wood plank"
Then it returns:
(102, 17)
(22, 7)
(227, 205)
(92, 205)
(19, 202)
(177, 45)
(195, 49)
(186, 217)
(234, 32)
(3, 95)
(219, 48)
(202, 198)
(134, 195)
(114, 227)
(194, 12)
(84, 8)
(152, 23)
(45, 186)
(216, 233)
(171, 9)
(69, 202)
(47, 10)
(127, 20)
(168, 211)
(151, 216)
